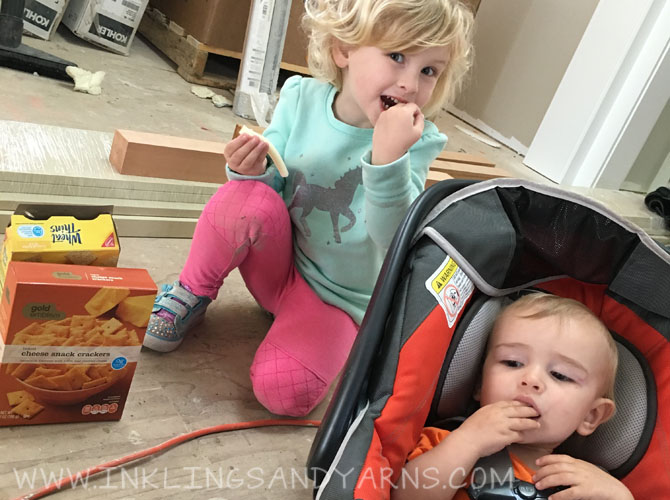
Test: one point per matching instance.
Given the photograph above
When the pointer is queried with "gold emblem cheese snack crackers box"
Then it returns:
(70, 339)
(60, 234)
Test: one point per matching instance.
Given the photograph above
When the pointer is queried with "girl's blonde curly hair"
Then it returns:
(398, 25)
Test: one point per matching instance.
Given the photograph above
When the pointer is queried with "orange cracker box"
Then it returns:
(65, 234)
(70, 339)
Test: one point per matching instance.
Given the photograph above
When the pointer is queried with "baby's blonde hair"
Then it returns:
(398, 25)
(542, 305)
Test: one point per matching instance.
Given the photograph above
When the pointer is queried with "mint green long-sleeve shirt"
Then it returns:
(344, 210)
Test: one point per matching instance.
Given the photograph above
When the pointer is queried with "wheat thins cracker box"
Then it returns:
(64, 234)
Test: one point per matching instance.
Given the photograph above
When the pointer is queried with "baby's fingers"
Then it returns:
(561, 479)
(554, 459)
(568, 494)
(523, 411)
(557, 474)
(526, 424)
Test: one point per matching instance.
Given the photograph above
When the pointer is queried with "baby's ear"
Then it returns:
(340, 54)
(601, 411)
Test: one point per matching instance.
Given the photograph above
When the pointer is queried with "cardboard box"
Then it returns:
(109, 23)
(42, 17)
(70, 339)
(222, 24)
(66, 234)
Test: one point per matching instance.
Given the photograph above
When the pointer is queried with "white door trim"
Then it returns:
(610, 97)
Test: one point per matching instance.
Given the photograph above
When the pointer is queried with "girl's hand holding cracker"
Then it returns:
(585, 481)
(246, 155)
(397, 129)
(495, 426)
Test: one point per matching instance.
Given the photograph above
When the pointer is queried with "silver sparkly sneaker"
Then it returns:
(175, 312)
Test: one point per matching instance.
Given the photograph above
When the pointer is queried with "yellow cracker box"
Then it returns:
(60, 234)
(70, 339)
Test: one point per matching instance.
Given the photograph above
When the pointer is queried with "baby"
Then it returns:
(549, 372)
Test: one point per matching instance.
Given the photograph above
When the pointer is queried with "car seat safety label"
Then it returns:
(451, 287)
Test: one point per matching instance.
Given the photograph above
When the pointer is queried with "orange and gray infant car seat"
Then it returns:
(463, 250)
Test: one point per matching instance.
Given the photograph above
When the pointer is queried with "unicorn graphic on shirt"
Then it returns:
(335, 200)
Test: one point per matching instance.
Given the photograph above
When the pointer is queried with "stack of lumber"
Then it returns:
(453, 165)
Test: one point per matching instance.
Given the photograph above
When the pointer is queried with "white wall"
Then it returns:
(522, 49)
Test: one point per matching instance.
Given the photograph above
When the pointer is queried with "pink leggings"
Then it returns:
(246, 225)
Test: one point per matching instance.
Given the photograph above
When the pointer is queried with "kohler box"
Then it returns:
(42, 17)
(109, 23)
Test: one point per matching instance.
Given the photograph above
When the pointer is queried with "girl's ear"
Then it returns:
(601, 411)
(340, 54)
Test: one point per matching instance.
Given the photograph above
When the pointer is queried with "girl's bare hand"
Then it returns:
(246, 155)
(396, 130)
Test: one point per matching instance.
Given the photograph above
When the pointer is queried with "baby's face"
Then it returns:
(557, 367)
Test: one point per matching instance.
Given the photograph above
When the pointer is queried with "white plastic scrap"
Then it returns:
(85, 81)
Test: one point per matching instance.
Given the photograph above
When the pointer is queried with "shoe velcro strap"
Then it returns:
(170, 305)
(184, 295)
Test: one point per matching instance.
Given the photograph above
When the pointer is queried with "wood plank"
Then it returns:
(172, 209)
(472, 159)
(296, 68)
(465, 171)
(175, 46)
(191, 55)
(186, 52)
(137, 226)
(434, 177)
(168, 157)
(154, 227)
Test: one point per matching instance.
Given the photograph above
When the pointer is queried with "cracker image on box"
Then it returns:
(82, 379)
(105, 299)
(136, 310)
(17, 397)
(77, 330)
(28, 409)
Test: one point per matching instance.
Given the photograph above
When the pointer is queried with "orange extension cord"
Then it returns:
(66, 482)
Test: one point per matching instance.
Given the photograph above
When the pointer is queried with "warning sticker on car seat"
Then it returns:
(451, 287)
